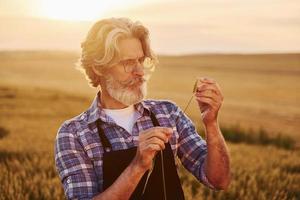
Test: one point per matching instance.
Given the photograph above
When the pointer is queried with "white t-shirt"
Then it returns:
(125, 117)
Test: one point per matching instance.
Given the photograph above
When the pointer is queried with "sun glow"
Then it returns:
(76, 10)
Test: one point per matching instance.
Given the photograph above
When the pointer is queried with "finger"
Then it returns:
(207, 80)
(219, 89)
(204, 87)
(153, 147)
(210, 94)
(207, 100)
(161, 136)
(160, 132)
(164, 139)
(207, 93)
(214, 87)
(166, 130)
(157, 141)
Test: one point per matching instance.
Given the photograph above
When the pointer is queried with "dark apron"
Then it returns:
(115, 162)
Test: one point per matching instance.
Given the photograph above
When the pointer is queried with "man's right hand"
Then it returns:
(150, 142)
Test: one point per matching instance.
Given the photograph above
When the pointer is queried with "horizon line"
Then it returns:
(159, 54)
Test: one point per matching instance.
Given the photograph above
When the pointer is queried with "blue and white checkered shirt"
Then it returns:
(78, 150)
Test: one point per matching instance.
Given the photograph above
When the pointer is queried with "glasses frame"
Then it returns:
(131, 67)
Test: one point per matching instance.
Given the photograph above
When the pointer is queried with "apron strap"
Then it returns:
(154, 120)
(162, 154)
(106, 144)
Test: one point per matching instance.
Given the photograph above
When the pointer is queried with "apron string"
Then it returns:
(106, 144)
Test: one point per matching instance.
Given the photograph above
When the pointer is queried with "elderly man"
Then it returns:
(124, 147)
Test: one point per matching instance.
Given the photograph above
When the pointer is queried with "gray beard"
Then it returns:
(122, 92)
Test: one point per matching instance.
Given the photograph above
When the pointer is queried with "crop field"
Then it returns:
(40, 90)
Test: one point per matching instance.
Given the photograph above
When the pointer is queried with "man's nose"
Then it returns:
(139, 70)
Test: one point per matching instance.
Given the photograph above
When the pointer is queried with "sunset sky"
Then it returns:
(176, 27)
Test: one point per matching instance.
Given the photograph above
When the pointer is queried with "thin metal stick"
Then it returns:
(188, 103)
(163, 175)
(162, 157)
(148, 176)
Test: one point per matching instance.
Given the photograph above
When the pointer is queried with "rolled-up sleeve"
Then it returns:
(75, 169)
(192, 149)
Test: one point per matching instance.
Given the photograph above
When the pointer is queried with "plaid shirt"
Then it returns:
(78, 150)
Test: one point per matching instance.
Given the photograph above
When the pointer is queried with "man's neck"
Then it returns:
(110, 103)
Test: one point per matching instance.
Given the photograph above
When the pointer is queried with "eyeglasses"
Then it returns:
(132, 65)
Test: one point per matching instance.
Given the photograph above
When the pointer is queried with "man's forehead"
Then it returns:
(131, 55)
(130, 48)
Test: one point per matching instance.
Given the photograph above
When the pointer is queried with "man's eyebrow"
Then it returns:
(130, 58)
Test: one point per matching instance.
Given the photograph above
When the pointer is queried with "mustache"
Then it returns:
(133, 81)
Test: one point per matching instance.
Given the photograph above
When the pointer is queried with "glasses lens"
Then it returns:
(135, 65)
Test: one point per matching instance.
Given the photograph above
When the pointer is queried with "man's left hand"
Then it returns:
(209, 98)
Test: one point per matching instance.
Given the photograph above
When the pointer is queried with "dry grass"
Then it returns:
(260, 90)
(255, 175)
(39, 91)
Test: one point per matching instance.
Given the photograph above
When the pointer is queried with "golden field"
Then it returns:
(39, 90)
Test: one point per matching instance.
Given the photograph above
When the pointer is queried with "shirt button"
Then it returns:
(68, 181)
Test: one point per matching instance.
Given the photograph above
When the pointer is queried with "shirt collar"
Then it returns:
(96, 111)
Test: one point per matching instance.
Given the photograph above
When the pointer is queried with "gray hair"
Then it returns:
(100, 48)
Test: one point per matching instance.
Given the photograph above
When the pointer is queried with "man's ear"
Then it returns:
(96, 71)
